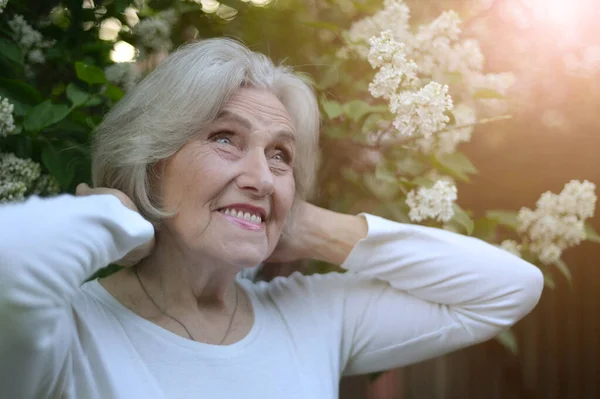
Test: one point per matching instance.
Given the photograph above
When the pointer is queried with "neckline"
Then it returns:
(124, 313)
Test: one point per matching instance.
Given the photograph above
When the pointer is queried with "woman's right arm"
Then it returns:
(48, 248)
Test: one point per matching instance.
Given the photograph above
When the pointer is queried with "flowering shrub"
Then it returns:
(398, 98)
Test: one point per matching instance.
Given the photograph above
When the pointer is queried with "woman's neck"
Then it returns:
(186, 282)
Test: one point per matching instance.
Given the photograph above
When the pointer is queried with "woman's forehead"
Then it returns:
(252, 107)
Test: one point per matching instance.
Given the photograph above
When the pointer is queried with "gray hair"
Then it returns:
(180, 98)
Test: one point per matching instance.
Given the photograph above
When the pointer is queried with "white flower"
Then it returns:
(154, 33)
(124, 74)
(447, 141)
(45, 185)
(422, 112)
(12, 191)
(511, 246)
(383, 49)
(578, 198)
(435, 202)
(465, 57)
(3, 4)
(13, 168)
(35, 56)
(557, 223)
(394, 17)
(29, 39)
(7, 122)
(16, 176)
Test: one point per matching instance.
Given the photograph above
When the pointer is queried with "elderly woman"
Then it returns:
(201, 174)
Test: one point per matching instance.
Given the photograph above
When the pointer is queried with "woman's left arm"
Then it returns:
(415, 292)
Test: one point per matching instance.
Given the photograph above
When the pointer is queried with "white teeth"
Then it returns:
(243, 215)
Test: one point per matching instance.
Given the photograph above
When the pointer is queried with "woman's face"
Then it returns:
(233, 185)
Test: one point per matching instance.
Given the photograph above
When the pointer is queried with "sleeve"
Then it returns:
(413, 293)
(48, 248)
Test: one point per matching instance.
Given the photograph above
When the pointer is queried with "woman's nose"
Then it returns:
(256, 175)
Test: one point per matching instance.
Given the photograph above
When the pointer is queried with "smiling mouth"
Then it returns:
(245, 216)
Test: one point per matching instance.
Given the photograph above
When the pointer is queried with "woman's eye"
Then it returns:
(222, 139)
(281, 156)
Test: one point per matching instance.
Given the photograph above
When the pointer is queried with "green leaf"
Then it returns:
(422, 182)
(382, 189)
(383, 173)
(77, 96)
(20, 94)
(59, 165)
(356, 109)
(93, 101)
(322, 25)
(113, 92)
(591, 234)
(456, 164)
(485, 229)
(45, 114)
(508, 339)
(89, 73)
(564, 269)
(462, 219)
(505, 218)
(333, 109)
(330, 77)
(410, 166)
(11, 51)
(484, 94)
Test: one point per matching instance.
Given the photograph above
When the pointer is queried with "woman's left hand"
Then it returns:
(291, 246)
(317, 233)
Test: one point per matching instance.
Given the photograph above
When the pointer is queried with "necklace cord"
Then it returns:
(137, 275)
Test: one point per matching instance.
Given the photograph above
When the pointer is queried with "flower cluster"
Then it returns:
(3, 4)
(7, 122)
(16, 176)
(393, 16)
(511, 246)
(423, 111)
(154, 34)
(45, 185)
(446, 142)
(20, 177)
(123, 74)
(557, 223)
(434, 52)
(30, 40)
(435, 202)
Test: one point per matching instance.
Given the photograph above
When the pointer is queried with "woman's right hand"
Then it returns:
(137, 254)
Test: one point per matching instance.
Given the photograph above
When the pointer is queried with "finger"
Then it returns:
(82, 189)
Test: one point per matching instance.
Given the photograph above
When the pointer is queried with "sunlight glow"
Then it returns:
(564, 13)
(122, 52)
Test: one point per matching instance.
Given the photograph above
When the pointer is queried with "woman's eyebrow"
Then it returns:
(283, 134)
(225, 114)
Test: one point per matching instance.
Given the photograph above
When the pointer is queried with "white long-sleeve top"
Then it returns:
(410, 293)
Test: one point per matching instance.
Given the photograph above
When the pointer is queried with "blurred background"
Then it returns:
(63, 64)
